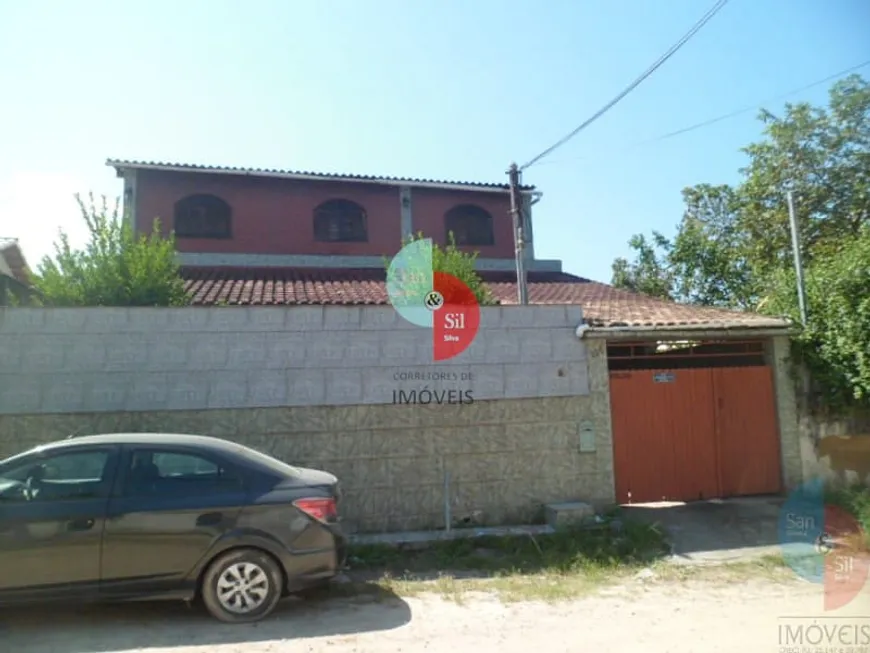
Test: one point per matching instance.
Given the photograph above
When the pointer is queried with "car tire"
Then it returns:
(242, 586)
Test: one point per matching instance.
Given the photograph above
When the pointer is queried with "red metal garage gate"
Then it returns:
(692, 421)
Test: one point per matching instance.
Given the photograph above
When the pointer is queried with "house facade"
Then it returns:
(701, 400)
(243, 218)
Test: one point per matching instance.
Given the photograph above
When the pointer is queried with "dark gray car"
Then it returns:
(154, 516)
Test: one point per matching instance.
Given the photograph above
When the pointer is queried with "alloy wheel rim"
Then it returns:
(242, 587)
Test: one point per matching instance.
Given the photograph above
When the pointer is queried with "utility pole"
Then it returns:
(798, 265)
(519, 242)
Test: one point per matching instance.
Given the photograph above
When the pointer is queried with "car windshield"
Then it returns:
(11, 471)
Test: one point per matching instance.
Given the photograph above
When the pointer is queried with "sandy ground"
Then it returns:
(648, 616)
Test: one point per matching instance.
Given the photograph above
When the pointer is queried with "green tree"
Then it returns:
(733, 248)
(835, 345)
(115, 268)
(823, 155)
(705, 259)
(732, 241)
(650, 272)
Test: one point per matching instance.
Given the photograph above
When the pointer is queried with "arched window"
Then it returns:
(340, 221)
(471, 226)
(203, 216)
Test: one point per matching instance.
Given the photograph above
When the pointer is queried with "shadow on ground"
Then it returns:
(335, 611)
(716, 530)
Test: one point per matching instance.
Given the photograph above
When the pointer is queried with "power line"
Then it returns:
(733, 114)
(649, 71)
(712, 121)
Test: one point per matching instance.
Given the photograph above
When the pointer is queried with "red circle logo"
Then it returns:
(456, 318)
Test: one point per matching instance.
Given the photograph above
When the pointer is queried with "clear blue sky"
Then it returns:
(446, 89)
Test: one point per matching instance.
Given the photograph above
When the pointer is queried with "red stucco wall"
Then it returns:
(270, 216)
(429, 207)
(274, 216)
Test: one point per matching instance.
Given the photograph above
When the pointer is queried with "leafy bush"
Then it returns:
(855, 500)
(115, 268)
(453, 261)
(835, 345)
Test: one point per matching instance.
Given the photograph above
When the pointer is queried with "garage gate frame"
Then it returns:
(693, 420)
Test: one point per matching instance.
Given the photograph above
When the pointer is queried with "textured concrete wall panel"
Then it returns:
(147, 359)
(502, 459)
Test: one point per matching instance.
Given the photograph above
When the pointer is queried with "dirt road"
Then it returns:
(653, 617)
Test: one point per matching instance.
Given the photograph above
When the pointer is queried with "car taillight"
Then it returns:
(318, 508)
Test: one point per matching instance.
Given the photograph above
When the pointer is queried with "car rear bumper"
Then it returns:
(318, 565)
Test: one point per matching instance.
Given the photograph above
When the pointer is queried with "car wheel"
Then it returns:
(242, 586)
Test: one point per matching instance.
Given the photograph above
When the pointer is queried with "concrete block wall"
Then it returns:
(504, 458)
(146, 359)
(315, 386)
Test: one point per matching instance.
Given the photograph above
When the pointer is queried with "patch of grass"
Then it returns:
(549, 588)
(571, 551)
(550, 568)
(555, 586)
(543, 567)
(508, 587)
(768, 568)
(855, 500)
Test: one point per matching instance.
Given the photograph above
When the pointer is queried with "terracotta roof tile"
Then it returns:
(603, 305)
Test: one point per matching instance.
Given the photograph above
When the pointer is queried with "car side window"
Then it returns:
(59, 477)
(182, 464)
(154, 472)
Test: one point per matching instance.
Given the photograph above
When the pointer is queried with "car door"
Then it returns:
(52, 512)
(171, 505)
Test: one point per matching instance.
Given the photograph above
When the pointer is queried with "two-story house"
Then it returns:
(241, 233)
(253, 236)
(272, 237)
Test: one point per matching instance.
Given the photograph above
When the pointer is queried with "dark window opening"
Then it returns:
(684, 355)
(61, 477)
(203, 216)
(340, 221)
(176, 473)
(470, 225)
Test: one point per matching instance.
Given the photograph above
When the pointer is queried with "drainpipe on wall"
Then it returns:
(529, 200)
(405, 205)
(129, 205)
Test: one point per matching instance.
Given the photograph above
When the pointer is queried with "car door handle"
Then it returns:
(81, 524)
(210, 519)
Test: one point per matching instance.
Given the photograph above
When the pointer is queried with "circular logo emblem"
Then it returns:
(433, 299)
(824, 544)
